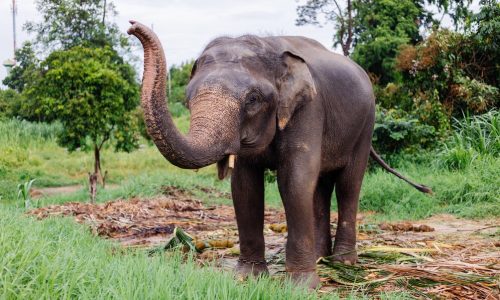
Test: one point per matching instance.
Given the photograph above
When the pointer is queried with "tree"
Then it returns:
(348, 23)
(69, 23)
(10, 102)
(382, 28)
(179, 79)
(459, 71)
(333, 11)
(485, 31)
(65, 24)
(92, 92)
(26, 67)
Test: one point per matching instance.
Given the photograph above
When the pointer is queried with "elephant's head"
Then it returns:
(241, 92)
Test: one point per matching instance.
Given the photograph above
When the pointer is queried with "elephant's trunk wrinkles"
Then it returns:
(213, 128)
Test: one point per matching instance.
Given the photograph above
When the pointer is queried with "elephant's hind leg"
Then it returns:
(247, 186)
(347, 188)
(322, 228)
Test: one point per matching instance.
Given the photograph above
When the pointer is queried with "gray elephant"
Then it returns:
(280, 103)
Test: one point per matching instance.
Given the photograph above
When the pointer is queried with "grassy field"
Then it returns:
(57, 258)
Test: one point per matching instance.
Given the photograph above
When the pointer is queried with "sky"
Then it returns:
(183, 26)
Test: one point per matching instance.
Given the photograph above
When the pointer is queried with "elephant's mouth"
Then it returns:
(225, 165)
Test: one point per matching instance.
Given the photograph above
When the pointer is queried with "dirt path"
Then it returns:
(37, 193)
(441, 257)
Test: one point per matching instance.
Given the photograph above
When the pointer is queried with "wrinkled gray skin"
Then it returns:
(279, 103)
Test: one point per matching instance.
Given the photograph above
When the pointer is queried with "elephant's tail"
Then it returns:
(380, 161)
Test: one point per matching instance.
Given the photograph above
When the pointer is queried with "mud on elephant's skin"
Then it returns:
(282, 103)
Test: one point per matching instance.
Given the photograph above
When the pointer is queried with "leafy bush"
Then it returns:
(10, 103)
(445, 71)
(396, 130)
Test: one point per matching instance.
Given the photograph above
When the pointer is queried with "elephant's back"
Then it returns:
(345, 95)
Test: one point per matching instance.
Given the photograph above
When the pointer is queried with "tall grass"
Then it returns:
(26, 134)
(473, 136)
(481, 133)
(471, 193)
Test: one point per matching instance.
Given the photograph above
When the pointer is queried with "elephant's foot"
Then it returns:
(323, 250)
(307, 279)
(345, 255)
(246, 268)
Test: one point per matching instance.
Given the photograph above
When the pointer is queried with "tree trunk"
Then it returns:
(97, 160)
(93, 186)
(97, 166)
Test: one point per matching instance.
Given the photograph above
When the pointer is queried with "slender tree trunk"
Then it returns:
(92, 186)
(350, 23)
(104, 13)
(94, 177)
(97, 160)
(97, 166)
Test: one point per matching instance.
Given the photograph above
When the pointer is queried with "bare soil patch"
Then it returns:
(441, 257)
(37, 193)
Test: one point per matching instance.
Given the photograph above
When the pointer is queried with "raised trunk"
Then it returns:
(213, 127)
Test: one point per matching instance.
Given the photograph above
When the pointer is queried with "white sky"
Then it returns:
(183, 26)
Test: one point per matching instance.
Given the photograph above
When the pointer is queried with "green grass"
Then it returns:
(58, 259)
(474, 137)
(473, 192)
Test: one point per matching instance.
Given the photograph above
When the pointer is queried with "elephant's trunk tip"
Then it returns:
(132, 28)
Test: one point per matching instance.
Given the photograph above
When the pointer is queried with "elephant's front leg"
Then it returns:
(297, 178)
(247, 185)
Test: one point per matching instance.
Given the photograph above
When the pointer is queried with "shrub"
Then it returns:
(395, 130)
(451, 71)
(10, 103)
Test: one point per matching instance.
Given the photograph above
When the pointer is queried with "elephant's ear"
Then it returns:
(193, 69)
(295, 86)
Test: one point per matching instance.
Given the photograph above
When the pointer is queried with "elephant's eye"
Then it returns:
(253, 97)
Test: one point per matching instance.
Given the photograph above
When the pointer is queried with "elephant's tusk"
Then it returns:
(232, 159)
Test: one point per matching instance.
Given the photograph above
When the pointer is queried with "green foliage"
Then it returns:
(10, 103)
(396, 130)
(362, 21)
(472, 192)
(443, 71)
(473, 136)
(27, 135)
(69, 23)
(179, 79)
(26, 69)
(23, 193)
(334, 12)
(92, 93)
(30, 150)
(56, 258)
(485, 27)
(382, 27)
(480, 133)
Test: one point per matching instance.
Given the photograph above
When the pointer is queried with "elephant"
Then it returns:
(282, 103)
